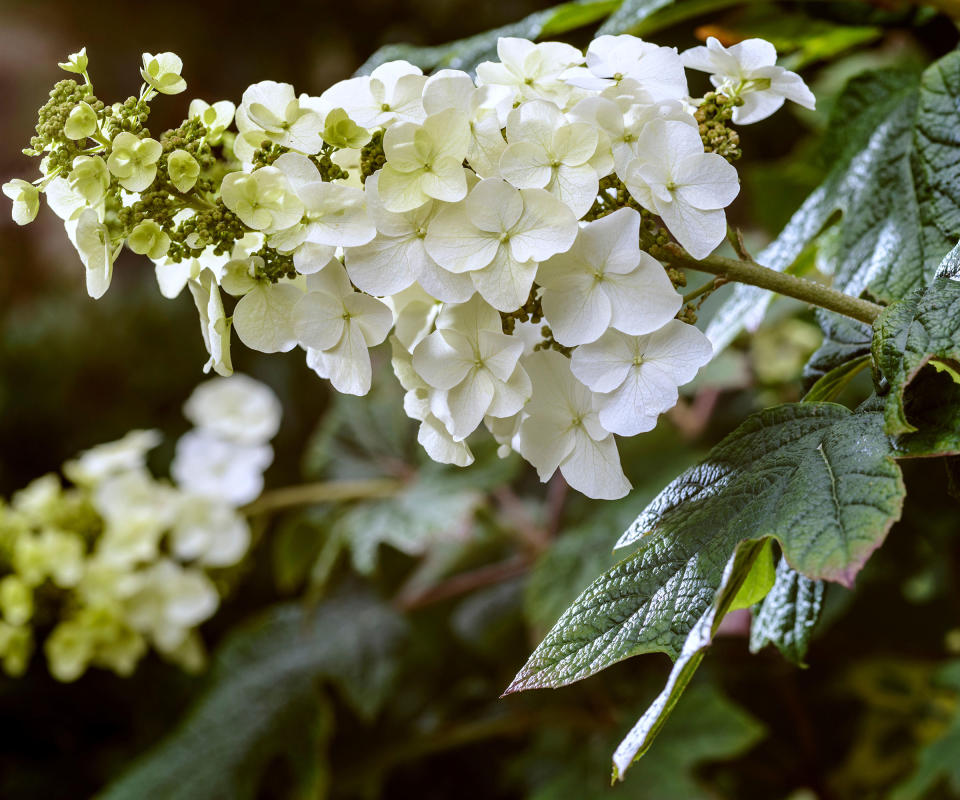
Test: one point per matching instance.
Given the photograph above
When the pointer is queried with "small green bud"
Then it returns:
(81, 123)
(16, 600)
(148, 239)
(89, 178)
(183, 170)
(76, 62)
(341, 131)
(26, 200)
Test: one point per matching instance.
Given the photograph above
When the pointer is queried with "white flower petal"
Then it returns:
(263, 318)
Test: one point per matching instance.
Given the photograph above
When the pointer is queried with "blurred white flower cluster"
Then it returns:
(121, 561)
(501, 226)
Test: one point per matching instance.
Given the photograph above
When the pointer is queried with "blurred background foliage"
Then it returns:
(365, 647)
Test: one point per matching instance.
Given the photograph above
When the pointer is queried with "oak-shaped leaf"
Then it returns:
(815, 476)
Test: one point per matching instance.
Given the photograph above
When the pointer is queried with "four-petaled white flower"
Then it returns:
(531, 71)
(262, 199)
(485, 107)
(391, 93)
(499, 235)
(271, 112)
(134, 160)
(262, 317)
(688, 188)
(333, 216)
(637, 376)
(621, 112)
(338, 325)
(210, 532)
(611, 59)
(749, 70)
(562, 431)
(100, 462)
(425, 162)
(606, 280)
(398, 257)
(547, 151)
(161, 72)
(169, 601)
(473, 367)
(97, 251)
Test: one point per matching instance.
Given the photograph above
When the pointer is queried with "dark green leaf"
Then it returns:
(894, 144)
(788, 614)
(907, 336)
(262, 698)
(816, 476)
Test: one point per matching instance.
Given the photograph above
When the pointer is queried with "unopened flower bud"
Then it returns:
(81, 123)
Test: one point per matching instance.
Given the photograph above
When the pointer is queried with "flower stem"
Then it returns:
(324, 492)
(749, 272)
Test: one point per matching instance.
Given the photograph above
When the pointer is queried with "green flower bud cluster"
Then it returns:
(272, 265)
(653, 233)
(269, 152)
(217, 226)
(52, 123)
(329, 171)
(713, 117)
(549, 343)
(372, 156)
(531, 311)
(131, 116)
(613, 195)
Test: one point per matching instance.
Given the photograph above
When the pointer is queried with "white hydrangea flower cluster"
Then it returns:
(121, 561)
(498, 229)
